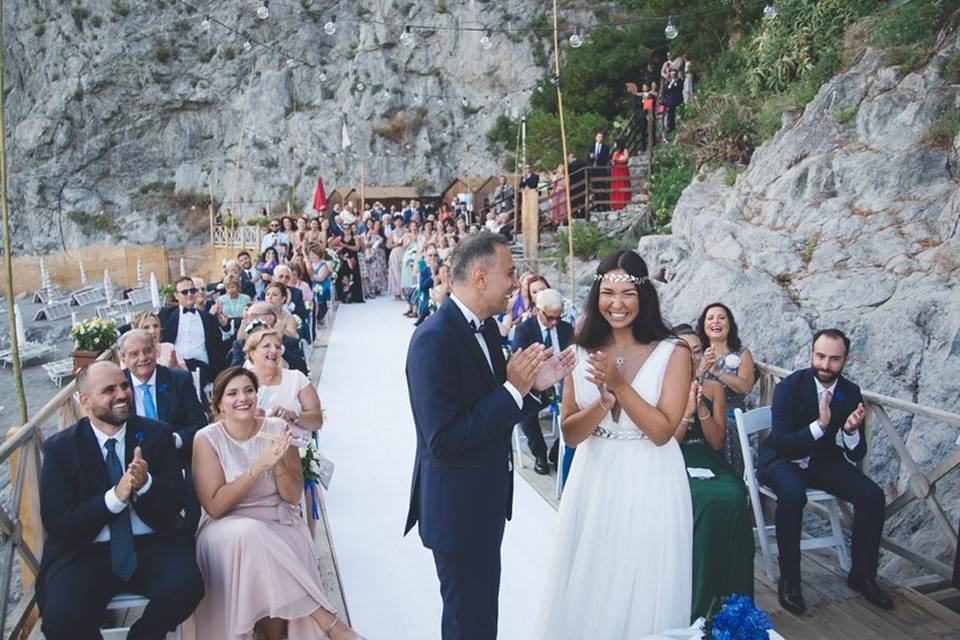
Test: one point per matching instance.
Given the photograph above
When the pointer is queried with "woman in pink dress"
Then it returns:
(397, 243)
(558, 198)
(253, 547)
(620, 172)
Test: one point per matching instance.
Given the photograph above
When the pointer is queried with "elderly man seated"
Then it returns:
(111, 492)
(548, 329)
(263, 312)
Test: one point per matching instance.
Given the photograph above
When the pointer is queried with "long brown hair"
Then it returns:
(222, 380)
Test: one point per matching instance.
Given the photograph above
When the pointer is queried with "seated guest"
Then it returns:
(544, 327)
(263, 312)
(233, 268)
(195, 333)
(441, 288)
(111, 491)
(810, 407)
(248, 273)
(232, 301)
(269, 259)
(166, 353)
(284, 275)
(251, 536)
(160, 393)
(727, 361)
(276, 295)
(284, 393)
(720, 507)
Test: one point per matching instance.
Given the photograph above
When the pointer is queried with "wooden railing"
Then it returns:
(21, 529)
(243, 236)
(920, 486)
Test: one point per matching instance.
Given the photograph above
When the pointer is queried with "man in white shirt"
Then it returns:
(273, 236)
(111, 492)
(194, 332)
(812, 409)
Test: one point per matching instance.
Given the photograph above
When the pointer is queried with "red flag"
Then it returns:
(320, 197)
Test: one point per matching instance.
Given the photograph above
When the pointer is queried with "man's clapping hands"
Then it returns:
(134, 479)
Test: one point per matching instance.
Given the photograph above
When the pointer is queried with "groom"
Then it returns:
(466, 401)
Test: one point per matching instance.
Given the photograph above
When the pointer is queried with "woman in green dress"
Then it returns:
(722, 534)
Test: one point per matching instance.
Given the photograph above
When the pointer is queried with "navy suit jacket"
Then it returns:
(528, 333)
(213, 338)
(462, 489)
(74, 478)
(794, 407)
(177, 406)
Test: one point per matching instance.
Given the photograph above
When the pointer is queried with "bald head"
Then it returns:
(262, 311)
(89, 376)
(105, 395)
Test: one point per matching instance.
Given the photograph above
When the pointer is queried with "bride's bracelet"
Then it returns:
(605, 409)
(702, 418)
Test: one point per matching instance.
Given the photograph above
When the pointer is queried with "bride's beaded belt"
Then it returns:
(600, 432)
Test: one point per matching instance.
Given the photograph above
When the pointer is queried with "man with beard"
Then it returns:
(810, 407)
(111, 492)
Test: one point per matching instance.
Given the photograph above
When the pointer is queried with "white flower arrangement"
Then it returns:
(732, 361)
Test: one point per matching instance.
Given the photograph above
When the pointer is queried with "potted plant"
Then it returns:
(91, 338)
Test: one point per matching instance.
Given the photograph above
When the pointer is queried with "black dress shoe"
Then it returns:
(552, 455)
(541, 466)
(871, 591)
(790, 596)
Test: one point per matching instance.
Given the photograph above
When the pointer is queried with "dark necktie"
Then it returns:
(185, 310)
(547, 341)
(477, 328)
(123, 555)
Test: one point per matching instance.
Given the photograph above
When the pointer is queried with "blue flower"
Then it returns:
(739, 619)
(138, 437)
(161, 388)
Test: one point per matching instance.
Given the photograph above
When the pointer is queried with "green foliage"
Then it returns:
(39, 29)
(162, 218)
(207, 55)
(589, 241)
(96, 21)
(163, 52)
(229, 53)
(90, 222)
(544, 149)
(328, 93)
(916, 21)
(119, 8)
(730, 175)
(271, 163)
(770, 117)
(843, 116)
(157, 187)
(94, 334)
(503, 134)
(809, 247)
(78, 94)
(906, 58)
(951, 72)
(441, 6)
(362, 11)
(673, 170)
(79, 13)
(944, 131)
(723, 130)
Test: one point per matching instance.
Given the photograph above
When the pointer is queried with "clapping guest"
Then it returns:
(232, 301)
(261, 314)
(522, 301)
(276, 296)
(727, 361)
(720, 507)
(269, 260)
(254, 550)
(166, 353)
(234, 268)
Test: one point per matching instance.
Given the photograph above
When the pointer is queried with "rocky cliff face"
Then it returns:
(849, 222)
(123, 115)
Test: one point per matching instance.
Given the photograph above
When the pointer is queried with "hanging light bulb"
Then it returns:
(576, 40)
(487, 40)
(247, 46)
(323, 76)
(361, 86)
(264, 12)
(440, 101)
(671, 31)
(406, 38)
(205, 23)
(465, 102)
(331, 27)
(770, 12)
(291, 63)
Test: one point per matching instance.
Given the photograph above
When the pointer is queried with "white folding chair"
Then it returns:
(519, 438)
(757, 421)
(127, 601)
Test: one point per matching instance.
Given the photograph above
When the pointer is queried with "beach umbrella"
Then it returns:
(320, 196)
(139, 273)
(107, 287)
(18, 321)
(83, 275)
(154, 292)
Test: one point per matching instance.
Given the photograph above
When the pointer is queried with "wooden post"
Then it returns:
(210, 210)
(236, 169)
(650, 116)
(531, 230)
(363, 196)
(30, 522)
(563, 144)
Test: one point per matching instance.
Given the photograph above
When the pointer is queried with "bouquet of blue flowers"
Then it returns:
(737, 619)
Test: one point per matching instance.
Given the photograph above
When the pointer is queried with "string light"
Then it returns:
(323, 76)
(576, 40)
(671, 31)
(770, 12)
(291, 63)
(331, 27)
(247, 46)
(264, 12)
(205, 23)
(360, 86)
(406, 38)
(487, 40)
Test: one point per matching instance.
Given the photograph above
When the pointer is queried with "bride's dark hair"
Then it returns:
(594, 331)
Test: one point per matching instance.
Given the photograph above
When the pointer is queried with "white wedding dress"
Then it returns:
(622, 564)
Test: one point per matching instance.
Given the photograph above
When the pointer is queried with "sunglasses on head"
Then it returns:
(188, 292)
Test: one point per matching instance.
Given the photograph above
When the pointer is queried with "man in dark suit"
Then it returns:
(160, 393)
(530, 180)
(598, 163)
(111, 492)
(672, 98)
(195, 333)
(465, 401)
(284, 275)
(544, 327)
(265, 313)
(810, 407)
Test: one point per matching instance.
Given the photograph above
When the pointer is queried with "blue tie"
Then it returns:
(123, 555)
(149, 406)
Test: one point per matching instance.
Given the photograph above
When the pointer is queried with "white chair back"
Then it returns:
(195, 374)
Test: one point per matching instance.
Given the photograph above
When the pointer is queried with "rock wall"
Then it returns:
(853, 225)
(130, 108)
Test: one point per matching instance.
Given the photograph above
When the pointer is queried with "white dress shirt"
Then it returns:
(850, 441)
(472, 317)
(138, 399)
(113, 502)
(191, 341)
(554, 336)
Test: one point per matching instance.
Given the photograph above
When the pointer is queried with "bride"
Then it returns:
(621, 568)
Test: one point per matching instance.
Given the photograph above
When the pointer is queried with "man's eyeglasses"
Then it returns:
(551, 318)
(188, 292)
(432, 255)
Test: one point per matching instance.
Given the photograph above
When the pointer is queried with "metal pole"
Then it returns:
(7, 258)
(563, 143)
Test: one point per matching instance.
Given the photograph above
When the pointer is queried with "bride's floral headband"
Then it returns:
(622, 277)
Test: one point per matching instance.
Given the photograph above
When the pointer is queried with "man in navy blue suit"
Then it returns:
(465, 400)
(111, 492)
(547, 328)
(810, 408)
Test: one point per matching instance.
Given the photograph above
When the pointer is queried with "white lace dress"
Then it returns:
(622, 563)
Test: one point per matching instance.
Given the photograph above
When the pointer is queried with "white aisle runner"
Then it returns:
(390, 581)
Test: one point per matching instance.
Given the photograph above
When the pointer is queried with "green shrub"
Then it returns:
(207, 55)
(78, 94)
(843, 116)
(161, 218)
(441, 6)
(39, 29)
(673, 169)
(79, 13)
(916, 21)
(229, 53)
(770, 116)
(906, 58)
(163, 52)
(120, 8)
(951, 72)
(944, 131)
(730, 175)
(589, 242)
